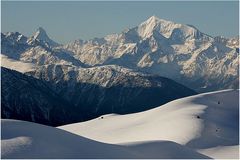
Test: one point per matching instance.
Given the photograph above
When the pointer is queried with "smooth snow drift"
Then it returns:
(22, 139)
(202, 122)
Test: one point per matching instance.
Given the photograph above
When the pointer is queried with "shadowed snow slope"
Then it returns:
(201, 122)
(22, 139)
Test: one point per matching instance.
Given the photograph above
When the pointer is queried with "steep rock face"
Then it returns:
(110, 89)
(26, 98)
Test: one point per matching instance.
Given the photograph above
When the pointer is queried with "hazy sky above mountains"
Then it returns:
(67, 21)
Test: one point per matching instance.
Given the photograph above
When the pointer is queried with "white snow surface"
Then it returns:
(16, 65)
(207, 123)
(222, 152)
(22, 139)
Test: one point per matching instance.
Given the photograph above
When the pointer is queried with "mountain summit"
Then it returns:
(146, 28)
(41, 35)
(169, 29)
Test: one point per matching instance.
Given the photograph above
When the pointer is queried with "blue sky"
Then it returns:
(67, 21)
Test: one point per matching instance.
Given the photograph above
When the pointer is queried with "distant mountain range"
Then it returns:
(120, 73)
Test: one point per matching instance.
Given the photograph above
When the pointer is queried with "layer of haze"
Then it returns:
(67, 21)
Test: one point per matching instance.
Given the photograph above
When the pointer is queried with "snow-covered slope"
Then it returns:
(222, 152)
(206, 122)
(16, 65)
(22, 139)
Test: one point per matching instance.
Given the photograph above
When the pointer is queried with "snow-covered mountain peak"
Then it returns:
(41, 29)
(171, 30)
(164, 27)
(146, 28)
(41, 35)
(14, 36)
(154, 20)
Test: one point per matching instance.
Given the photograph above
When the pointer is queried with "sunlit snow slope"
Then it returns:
(207, 123)
(16, 65)
(22, 139)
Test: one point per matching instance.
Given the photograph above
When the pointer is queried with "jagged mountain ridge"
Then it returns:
(179, 52)
(176, 51)
(19, 47)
